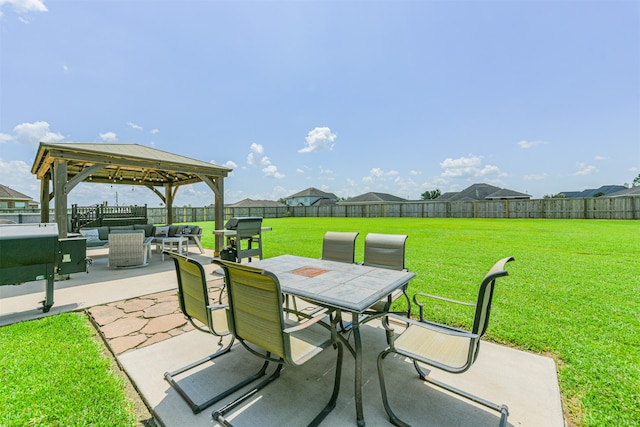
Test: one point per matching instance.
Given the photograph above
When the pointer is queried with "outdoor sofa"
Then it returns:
(98, 237)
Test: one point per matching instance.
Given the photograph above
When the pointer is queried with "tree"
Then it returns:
(555, 196)
(636, 181)
(430, 195)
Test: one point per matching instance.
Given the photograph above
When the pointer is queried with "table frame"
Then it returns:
(341, 287)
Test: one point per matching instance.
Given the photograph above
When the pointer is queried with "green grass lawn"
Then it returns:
(55, 373)
(573, 292)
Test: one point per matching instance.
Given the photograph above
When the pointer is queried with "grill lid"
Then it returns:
(26, 231)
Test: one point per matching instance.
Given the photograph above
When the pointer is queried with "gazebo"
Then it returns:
(65, 165)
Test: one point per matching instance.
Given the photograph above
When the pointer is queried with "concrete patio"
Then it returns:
(137, 314)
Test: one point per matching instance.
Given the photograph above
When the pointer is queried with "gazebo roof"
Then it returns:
(130, 164)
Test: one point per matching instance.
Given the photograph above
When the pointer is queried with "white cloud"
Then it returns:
(256, 157)
(272, 172)
(30, 134)
(25, 6)
(324, 171)
(134, 126)
(155, 131)
(535, 177)
(298, 170)
(601, 158)
(230, 164)
(585, 170)
(378, 174)
(530, 144)
(65, 68)
(415, 173)
(16, 174)
(470, 166)
(255, 154)
(319, 139)
(265, 161)
(109, 136)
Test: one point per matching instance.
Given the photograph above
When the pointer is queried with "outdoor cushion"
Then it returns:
(120, 227)
(162, 231)
(175, 230)
(103, 232)
(148, 229)
(91, 234)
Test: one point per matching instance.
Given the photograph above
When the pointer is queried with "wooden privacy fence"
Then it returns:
(627, 207)
(583, 208)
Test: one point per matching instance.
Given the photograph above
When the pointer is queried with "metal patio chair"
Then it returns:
(194, 300)
(339, 246)
(386, 251)
(257, 319)
(441, 346)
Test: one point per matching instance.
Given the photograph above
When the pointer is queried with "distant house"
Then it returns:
(372, 198)
(12, 199)
(311, 197)
(633, 191)
(249, 203)
(605, 190)
(481, 192)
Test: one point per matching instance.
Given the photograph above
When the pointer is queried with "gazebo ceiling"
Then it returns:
(127, 164)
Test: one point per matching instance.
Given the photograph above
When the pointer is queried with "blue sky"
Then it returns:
(345, 96)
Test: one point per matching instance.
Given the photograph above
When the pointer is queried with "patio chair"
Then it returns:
(127, 250)
(441, 346)
(386, 251)
(195, 304)
(339, 246)
(256, 318)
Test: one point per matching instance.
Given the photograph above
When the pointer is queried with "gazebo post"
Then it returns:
(60, 195)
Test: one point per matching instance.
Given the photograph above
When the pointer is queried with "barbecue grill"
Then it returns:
(30, 252)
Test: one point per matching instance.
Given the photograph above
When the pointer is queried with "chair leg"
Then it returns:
(503, 409)
(169, 377)
(336, 389)
(393, 418)
(218, 414)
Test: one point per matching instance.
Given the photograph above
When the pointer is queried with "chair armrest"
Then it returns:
(438, 327)
(439, 298)
(422, 294)
(308, 321)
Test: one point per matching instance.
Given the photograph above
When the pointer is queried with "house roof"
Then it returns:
(446, 196)
(324, 202)
(633, 191)
(375, 197)
(313, 192)
(10, 193)
(605, 190)
(249, 203)
(505, 193)
(481, 192)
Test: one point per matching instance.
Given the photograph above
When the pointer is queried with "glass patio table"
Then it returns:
(351, 288)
